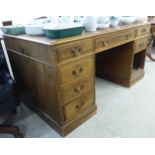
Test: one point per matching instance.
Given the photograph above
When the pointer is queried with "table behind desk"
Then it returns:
(153, 34)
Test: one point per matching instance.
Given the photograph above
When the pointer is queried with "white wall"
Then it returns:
(23, 11)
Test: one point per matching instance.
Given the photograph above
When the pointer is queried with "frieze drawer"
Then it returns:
(104, 43)
(72, 50)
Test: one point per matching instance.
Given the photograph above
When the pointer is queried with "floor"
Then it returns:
(122, 112)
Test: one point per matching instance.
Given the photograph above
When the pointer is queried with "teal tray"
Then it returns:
(13, 30)
(56, 34)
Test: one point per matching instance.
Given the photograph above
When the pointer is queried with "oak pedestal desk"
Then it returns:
(57, 77)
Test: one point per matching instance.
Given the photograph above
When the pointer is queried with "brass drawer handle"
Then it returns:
(77, 72)
(73, 50)
(22, 50)
(143, 30)
(141, 45)
(74, 72)
(105, 43)
(128, 36)
(79, 106)
(79, 49)
(79, 89)
(76, 51)
(80, 70)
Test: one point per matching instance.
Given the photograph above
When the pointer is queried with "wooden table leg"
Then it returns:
(150, 56)
(11, 130)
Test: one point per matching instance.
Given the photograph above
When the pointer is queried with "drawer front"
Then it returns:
(75, 90)
(13, 44)
(33, 50)
(78, 106)
(23, 47)
(76, 70)
(109, 42)
(143, 31)
(73, 50)
(140, 45)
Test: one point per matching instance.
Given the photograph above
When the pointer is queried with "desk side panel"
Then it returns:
(37, 81)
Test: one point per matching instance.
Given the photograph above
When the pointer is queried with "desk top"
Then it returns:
(51, 42)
